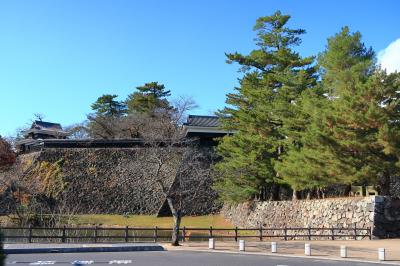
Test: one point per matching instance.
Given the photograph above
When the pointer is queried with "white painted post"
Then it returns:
(343, 251)
(381, 254)
(273, 247)
(307, 249)
(211, 243)
(241, 245)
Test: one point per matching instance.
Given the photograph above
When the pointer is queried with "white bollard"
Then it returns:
(211, 243)
(381, 254)
(273, 247)
(242, 245)
(343, 251)
(307, 249)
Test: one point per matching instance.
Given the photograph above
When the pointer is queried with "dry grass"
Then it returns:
(150, 221)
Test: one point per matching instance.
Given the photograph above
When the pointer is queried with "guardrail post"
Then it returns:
(370, 233)
(95, 234)
(309, 233)
(261, 233)
(155, 234)
(355, 231)
(333, 233)
(184, 234)
(285, 231)
(236, 234)
(63, 235)
(30, 234)
(126, 236)
(211, 232)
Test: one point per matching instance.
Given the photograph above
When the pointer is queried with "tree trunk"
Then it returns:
(309, 194)
(384, 183)
(347, 190)
(176, 214)
(322, 192)
(275, 189)
(295, 196)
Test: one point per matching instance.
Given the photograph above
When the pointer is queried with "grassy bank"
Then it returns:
(150, 221)
(137, 220)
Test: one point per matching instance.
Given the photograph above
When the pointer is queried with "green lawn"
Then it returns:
(150, 221)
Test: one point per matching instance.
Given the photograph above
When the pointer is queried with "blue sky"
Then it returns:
(57, 57)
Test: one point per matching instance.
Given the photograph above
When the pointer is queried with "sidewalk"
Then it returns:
(365, 250)
(79, 248)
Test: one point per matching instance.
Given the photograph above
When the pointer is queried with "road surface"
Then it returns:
(167, 258)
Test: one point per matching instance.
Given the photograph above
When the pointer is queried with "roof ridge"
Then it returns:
(206, 116)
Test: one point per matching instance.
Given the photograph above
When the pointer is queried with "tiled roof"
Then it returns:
(203, 121)
(46, 125)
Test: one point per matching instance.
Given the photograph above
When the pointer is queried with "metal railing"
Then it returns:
(157, 234)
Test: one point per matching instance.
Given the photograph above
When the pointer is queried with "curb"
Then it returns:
(82, 249)
(290, 256)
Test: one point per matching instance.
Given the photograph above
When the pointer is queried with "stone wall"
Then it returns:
(115, 180)
(382, 214)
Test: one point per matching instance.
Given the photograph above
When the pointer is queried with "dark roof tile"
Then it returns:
(203, 121)
(46, 125)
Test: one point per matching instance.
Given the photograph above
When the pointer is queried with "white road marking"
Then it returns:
(82, 262)
(120, 261)
(43, 262)
(77, 262)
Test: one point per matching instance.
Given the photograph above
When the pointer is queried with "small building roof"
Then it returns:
(47, 128)
(203, 121)
(204, 126)
(46, 125)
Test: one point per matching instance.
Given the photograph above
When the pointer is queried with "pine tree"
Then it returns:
(150, 98)
(274, 78)
(351, 136)
(106, 105)
(311, 163)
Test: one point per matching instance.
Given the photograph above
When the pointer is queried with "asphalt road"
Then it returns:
(167, 258)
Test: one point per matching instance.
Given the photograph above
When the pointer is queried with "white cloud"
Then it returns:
(389, 58)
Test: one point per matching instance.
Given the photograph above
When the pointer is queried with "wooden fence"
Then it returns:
(156, 234)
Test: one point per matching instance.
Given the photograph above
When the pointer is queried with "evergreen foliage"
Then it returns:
(363, 103)
(150, 98)
(319, 160)
(274, 78)
(309, 133)
(106, 105)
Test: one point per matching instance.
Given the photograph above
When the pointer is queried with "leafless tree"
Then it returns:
(134, 125)
(78, 131)
(7, 154)
(111, 127)
(38, 117)
(32, 193)
(166, 148)
(182, 105)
